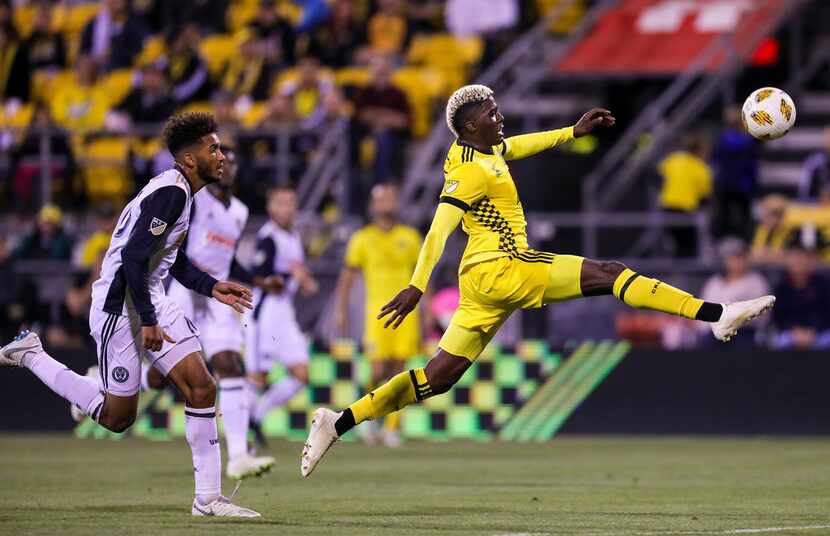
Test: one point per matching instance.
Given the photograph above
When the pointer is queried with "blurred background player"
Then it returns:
(385, 252)
(145, 248)
(273, 333)
(217, 221)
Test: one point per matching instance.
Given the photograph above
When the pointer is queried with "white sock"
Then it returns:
(145, 382)
(233, 403)
(277, 395)
(79, 390)
(203, 437)
(252, 393)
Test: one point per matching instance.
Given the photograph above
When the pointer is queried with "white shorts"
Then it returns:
(273, 335)
(220, 326)
(118, 339)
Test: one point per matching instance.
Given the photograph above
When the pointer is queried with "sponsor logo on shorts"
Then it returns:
(157, 227)
(120, 374)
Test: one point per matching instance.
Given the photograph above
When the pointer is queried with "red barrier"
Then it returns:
(664, 36)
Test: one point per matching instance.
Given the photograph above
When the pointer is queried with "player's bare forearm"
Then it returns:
(344, 288)
(271, 283)
(401, 305)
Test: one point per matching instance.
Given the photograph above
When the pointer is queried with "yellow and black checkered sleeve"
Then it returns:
(464, 185)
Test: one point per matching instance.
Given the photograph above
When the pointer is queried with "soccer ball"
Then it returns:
(768, 113)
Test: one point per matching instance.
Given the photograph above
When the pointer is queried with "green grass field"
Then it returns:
(574, 485)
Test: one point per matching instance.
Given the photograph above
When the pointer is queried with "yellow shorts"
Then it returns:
(492, 290)
(401, 343)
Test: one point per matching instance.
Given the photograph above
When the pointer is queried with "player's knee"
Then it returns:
(444, 370)
(227, 365)
(300, 372)
(202, 393)
(118, 423)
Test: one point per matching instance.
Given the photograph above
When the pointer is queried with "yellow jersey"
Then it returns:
(386, 258)
(481, 185)
(687, 180)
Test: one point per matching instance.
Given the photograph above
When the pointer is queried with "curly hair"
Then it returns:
(471, 94)
(185, 129)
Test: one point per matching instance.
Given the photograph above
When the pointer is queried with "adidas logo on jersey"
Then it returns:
(157, 227)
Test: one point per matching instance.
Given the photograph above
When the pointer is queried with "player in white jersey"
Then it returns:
(273, 332)
(130, 314)
(217, 220)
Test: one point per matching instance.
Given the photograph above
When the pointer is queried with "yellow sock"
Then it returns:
(400, 391)
(647, 293)
(392, 422)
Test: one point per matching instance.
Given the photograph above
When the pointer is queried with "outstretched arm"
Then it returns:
(446, 219)
(525, 145)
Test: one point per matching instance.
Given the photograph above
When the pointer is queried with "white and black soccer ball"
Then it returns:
(768, 113)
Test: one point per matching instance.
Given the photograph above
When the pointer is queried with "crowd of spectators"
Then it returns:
(89, 84)
(93, 81)
(775, 242)
(101, 76)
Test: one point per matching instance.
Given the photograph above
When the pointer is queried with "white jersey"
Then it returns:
(154, 224)
(277, 252)
(215, 230)
(273, 333)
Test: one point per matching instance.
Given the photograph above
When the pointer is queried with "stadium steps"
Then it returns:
(782, 159)
(554, 402)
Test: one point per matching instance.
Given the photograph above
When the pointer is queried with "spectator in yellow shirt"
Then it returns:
(98, 242)
(81, 103)
(774, 234)
(687, 181)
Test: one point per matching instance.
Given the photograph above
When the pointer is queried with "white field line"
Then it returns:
(761, 530)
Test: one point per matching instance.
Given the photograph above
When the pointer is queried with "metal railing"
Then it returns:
(690, 93)
(279, 162)
(329, 168)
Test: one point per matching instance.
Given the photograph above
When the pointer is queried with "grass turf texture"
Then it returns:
(574, 485)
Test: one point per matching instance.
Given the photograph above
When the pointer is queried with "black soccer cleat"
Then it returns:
(259, 437)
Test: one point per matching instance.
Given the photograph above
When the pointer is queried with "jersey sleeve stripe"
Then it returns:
(455, 202)
(627, 284)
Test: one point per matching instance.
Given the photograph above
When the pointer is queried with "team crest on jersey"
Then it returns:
(451, 186)
(157, 227)
(120, 374)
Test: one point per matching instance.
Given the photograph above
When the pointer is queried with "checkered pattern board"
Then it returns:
(486, 397)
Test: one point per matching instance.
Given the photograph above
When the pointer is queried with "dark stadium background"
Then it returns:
(289, 82)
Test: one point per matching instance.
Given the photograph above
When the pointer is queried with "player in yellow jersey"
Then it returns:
(385, 252)
(499, 273)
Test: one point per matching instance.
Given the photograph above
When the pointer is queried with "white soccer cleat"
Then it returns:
(245, 466)
(736, 314)
(320, 438)
(27, 342)
(369, 433)
(221, 507)
(77, 413)
(392, 439)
